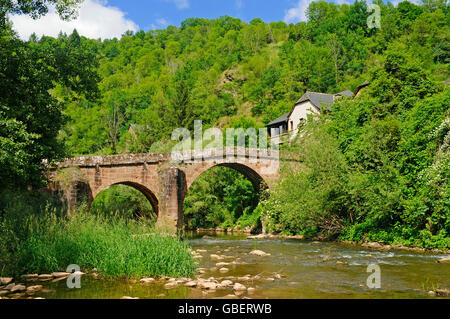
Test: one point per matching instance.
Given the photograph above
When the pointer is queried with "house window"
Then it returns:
(292, 125)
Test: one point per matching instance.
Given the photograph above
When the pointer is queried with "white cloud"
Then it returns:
(159, 24)
(180, 4)
(297, 13)
(163, 22)
(239, 4)
(95, 20)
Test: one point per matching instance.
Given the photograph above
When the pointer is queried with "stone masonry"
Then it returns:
(163, 180)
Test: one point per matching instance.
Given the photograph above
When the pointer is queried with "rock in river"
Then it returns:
(171, 285)
(45, 277)
(444, 261)
(5, 281)
(30, 277)
(191, 284)
(34, 289)
(226, 283)
(259, 253)
(18, 288)
(239, 287)
(147, 281)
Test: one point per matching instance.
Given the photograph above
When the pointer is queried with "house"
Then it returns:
(309, 103)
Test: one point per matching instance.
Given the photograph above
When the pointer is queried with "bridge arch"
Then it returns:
(258, 182)
(149, 194)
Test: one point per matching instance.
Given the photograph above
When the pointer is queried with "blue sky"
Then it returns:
(111, 18)
(153, 13)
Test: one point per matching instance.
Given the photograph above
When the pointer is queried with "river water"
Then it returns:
(294, 270)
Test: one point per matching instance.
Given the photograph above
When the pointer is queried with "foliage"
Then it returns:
(115, 246)
(378, 166)
(373, 170)
(221, 198)
(123, 201)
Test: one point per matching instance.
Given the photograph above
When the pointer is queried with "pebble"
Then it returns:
(191, 284)
(239, 287)
(18, 288)
(222, 264)
(224, 270)
(245, 278)
(171, 285)
(147, 281)
(216, 257)
(45, 277)
(226, 283)
(207, 285)
(259, 253)
(10, 286)
(34, 289)
(60, 274)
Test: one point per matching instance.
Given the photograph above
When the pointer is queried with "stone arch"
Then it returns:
(258, 182)
(149, 194)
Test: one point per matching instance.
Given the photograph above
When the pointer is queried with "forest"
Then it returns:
(375, 168)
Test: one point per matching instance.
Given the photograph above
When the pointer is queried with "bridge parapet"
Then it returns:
(232, 154)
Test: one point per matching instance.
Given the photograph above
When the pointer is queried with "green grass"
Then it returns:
(114, 246)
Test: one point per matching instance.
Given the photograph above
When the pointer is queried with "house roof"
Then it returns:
(347, 93)
(281, 119)
(319, 100)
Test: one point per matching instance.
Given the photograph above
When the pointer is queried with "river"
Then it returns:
(294, 270)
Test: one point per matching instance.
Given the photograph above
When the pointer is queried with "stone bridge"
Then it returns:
(163, 178)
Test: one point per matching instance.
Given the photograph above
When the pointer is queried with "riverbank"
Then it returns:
(371, 245)
(233, 267)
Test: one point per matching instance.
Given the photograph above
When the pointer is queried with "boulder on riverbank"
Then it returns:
(5, 281)
(442, 293)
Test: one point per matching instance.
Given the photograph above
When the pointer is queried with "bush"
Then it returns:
(117, 247)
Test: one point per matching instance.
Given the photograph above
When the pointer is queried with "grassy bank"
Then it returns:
(114, 246)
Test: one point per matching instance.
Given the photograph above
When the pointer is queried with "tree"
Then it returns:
(31, 116)
(182, 110)
(66, 9)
